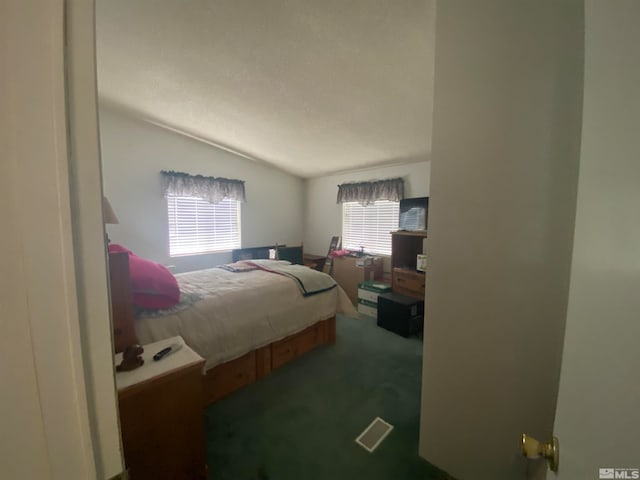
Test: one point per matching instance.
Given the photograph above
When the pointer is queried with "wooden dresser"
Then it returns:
(408, 282)
(405, 247)
(161, 415)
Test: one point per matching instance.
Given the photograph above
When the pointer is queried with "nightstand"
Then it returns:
(161, 414)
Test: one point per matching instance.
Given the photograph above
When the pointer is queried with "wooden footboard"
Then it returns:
(230, 376)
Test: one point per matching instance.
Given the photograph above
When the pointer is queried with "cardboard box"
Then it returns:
(369, 290)
(364, 261)
(348, 274)
(367, 308)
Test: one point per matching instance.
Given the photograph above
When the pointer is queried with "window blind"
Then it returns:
(369, 226)
(198, 226)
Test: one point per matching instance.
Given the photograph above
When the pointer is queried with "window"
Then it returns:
(369, 226)
(197, 226)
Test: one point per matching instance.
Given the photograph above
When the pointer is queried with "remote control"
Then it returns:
(166, 351)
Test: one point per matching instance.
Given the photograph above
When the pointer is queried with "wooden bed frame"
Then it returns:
(228, 377)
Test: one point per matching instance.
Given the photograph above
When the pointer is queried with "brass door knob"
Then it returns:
(532, 448)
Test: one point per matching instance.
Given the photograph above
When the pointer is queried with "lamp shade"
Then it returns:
(108, 214)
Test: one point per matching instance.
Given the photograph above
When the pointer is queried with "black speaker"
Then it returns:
(400, 314)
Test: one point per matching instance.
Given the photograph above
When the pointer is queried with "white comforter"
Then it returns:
(240, 312)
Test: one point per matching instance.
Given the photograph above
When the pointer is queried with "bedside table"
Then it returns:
(161, 414)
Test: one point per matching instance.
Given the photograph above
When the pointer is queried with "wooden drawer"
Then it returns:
(230, 376)
(408, 282)
(292, 347)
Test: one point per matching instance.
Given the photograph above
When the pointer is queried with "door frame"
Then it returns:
(49, 119)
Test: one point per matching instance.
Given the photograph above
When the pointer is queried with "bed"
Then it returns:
(244, 319)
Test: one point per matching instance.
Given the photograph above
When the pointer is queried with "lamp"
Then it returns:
(108, 216)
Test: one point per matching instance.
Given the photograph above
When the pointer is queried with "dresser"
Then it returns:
(161, 414)
(405, 278)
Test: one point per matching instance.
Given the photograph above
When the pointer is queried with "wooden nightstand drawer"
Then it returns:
(408, 282)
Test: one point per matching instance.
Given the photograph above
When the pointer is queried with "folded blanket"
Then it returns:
(310, 281)
(241, 266)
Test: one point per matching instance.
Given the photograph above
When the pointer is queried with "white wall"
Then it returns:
(598, 418)
(506, 139)
(323, 218)
(134, 152)
(47, 420)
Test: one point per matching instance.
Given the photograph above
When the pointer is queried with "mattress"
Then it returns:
(227, 314)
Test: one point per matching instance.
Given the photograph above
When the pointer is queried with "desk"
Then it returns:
(315, 261)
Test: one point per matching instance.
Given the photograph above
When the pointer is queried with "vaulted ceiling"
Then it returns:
(310, 86)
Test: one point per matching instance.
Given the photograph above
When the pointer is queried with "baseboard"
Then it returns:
(121, 476)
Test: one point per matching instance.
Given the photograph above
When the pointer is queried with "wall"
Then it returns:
(46, 414)
(506, 139)
(323, 218)
(599, 390)
(134, 152)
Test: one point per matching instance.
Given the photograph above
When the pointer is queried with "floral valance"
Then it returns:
(211, 189)
(369, 192)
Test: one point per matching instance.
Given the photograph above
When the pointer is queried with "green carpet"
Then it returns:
(300, 422)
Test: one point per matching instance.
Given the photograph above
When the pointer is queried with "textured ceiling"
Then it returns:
(310, 86)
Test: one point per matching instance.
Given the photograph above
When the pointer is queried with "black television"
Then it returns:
(414, 213)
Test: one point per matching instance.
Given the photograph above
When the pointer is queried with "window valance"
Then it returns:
(369, 192)
(211, 189)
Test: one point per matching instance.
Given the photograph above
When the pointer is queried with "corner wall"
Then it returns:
(134, 152)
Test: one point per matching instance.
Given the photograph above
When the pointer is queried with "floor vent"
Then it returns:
(374, 434)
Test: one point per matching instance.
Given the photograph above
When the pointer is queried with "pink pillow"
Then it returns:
(152, 284)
